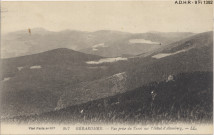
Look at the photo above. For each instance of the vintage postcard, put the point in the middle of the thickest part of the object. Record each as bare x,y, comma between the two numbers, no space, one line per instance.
106,67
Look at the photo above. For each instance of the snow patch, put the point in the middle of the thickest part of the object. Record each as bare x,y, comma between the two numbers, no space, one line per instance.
35,67
20,68
95,47
6,79
98,67
162,55
82,111
170,78
120,76
134,41
106,60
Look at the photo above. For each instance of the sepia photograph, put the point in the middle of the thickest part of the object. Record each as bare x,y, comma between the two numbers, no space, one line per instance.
106,67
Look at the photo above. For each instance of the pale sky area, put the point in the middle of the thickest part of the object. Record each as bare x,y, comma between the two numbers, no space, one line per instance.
135,17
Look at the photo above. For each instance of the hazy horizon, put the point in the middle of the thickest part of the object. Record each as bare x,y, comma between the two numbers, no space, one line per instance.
125,16
37,28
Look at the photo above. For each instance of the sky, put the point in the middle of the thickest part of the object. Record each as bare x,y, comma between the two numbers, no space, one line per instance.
134,17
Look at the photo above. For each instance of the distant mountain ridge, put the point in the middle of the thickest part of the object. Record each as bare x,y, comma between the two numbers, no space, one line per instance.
39,40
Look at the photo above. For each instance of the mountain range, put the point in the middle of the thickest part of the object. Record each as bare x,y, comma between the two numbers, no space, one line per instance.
62,82
104,42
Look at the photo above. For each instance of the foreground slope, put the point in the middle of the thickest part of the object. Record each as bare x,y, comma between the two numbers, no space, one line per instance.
188,98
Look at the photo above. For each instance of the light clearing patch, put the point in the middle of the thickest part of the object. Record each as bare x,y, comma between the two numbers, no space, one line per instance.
20,68
35,67
106,60
95,47
142,41
162,55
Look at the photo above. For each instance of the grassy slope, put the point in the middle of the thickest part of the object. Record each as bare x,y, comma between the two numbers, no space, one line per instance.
38,90
52,80
186,99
